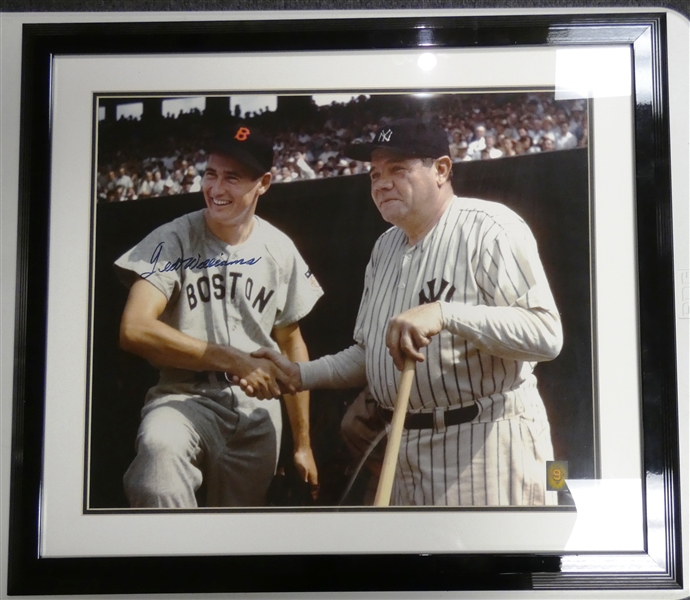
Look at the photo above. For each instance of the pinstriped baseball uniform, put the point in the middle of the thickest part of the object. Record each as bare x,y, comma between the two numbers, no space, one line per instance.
480,256
481,262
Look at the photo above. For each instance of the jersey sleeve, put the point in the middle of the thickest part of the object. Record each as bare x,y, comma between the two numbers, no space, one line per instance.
343,370
155,259
300,291
510,272
520,320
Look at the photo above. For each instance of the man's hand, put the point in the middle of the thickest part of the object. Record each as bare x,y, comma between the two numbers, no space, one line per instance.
412,330
306,469
287,373
261,378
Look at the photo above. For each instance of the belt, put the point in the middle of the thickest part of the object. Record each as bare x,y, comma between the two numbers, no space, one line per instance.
427,420
212,377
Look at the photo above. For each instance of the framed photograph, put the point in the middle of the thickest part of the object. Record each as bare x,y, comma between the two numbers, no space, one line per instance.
564,119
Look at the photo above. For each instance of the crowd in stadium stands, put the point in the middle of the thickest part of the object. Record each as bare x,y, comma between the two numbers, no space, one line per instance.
143,160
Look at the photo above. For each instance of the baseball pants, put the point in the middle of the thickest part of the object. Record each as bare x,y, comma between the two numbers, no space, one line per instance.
210,435
490,461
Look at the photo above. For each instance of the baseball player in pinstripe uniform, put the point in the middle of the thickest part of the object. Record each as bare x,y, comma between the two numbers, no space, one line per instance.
205,290
456,284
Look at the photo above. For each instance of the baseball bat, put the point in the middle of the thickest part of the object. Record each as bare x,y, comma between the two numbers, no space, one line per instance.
383,491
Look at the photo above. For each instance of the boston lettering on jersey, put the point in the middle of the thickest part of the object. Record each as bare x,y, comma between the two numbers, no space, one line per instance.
205,290
192,262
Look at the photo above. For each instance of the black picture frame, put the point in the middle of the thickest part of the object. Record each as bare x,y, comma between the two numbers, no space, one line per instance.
659,567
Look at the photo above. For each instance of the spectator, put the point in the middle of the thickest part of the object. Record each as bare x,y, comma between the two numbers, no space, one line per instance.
536,132
173,185
200,162
508,146
478,143
145,189
124,180
112,181
566,140
288,174
548,127
547,144
195,185
460,152
305,171
528,147
328,152
491,149
158,188
186,186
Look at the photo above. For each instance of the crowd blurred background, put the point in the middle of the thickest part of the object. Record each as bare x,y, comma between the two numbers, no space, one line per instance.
153,154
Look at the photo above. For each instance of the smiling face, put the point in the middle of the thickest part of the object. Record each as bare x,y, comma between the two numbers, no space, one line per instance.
410,193
231,191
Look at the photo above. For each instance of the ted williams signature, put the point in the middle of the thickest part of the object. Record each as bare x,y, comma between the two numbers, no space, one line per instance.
197,262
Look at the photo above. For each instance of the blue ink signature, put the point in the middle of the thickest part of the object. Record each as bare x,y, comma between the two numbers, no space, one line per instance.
183,263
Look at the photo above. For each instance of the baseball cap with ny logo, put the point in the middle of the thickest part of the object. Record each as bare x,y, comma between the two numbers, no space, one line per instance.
409,137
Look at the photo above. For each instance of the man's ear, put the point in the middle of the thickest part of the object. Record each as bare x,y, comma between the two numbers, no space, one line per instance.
444,168
265,183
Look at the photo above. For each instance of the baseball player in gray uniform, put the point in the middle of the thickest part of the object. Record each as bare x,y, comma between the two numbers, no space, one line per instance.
205,291
456,284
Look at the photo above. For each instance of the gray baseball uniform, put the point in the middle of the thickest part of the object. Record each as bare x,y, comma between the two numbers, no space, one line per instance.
480,261
194,423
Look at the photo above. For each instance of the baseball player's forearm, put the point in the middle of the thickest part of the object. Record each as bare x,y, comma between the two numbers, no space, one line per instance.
143,334
291,344
297,406
508,332
165,346
343,370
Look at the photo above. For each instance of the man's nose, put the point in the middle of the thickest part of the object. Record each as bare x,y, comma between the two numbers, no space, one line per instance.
382,182
215,186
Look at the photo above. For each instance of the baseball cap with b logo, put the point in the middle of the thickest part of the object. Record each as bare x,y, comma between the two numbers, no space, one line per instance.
409,137
245,144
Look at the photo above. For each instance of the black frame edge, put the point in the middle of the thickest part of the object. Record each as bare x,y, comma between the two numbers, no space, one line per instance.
29,574
657,311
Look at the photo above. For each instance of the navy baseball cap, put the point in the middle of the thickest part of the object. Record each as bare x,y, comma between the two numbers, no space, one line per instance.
409,137
245,144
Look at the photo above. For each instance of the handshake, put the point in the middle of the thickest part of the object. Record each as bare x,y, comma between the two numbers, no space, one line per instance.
265,373
268,374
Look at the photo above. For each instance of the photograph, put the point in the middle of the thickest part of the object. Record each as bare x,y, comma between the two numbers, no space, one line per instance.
154,168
